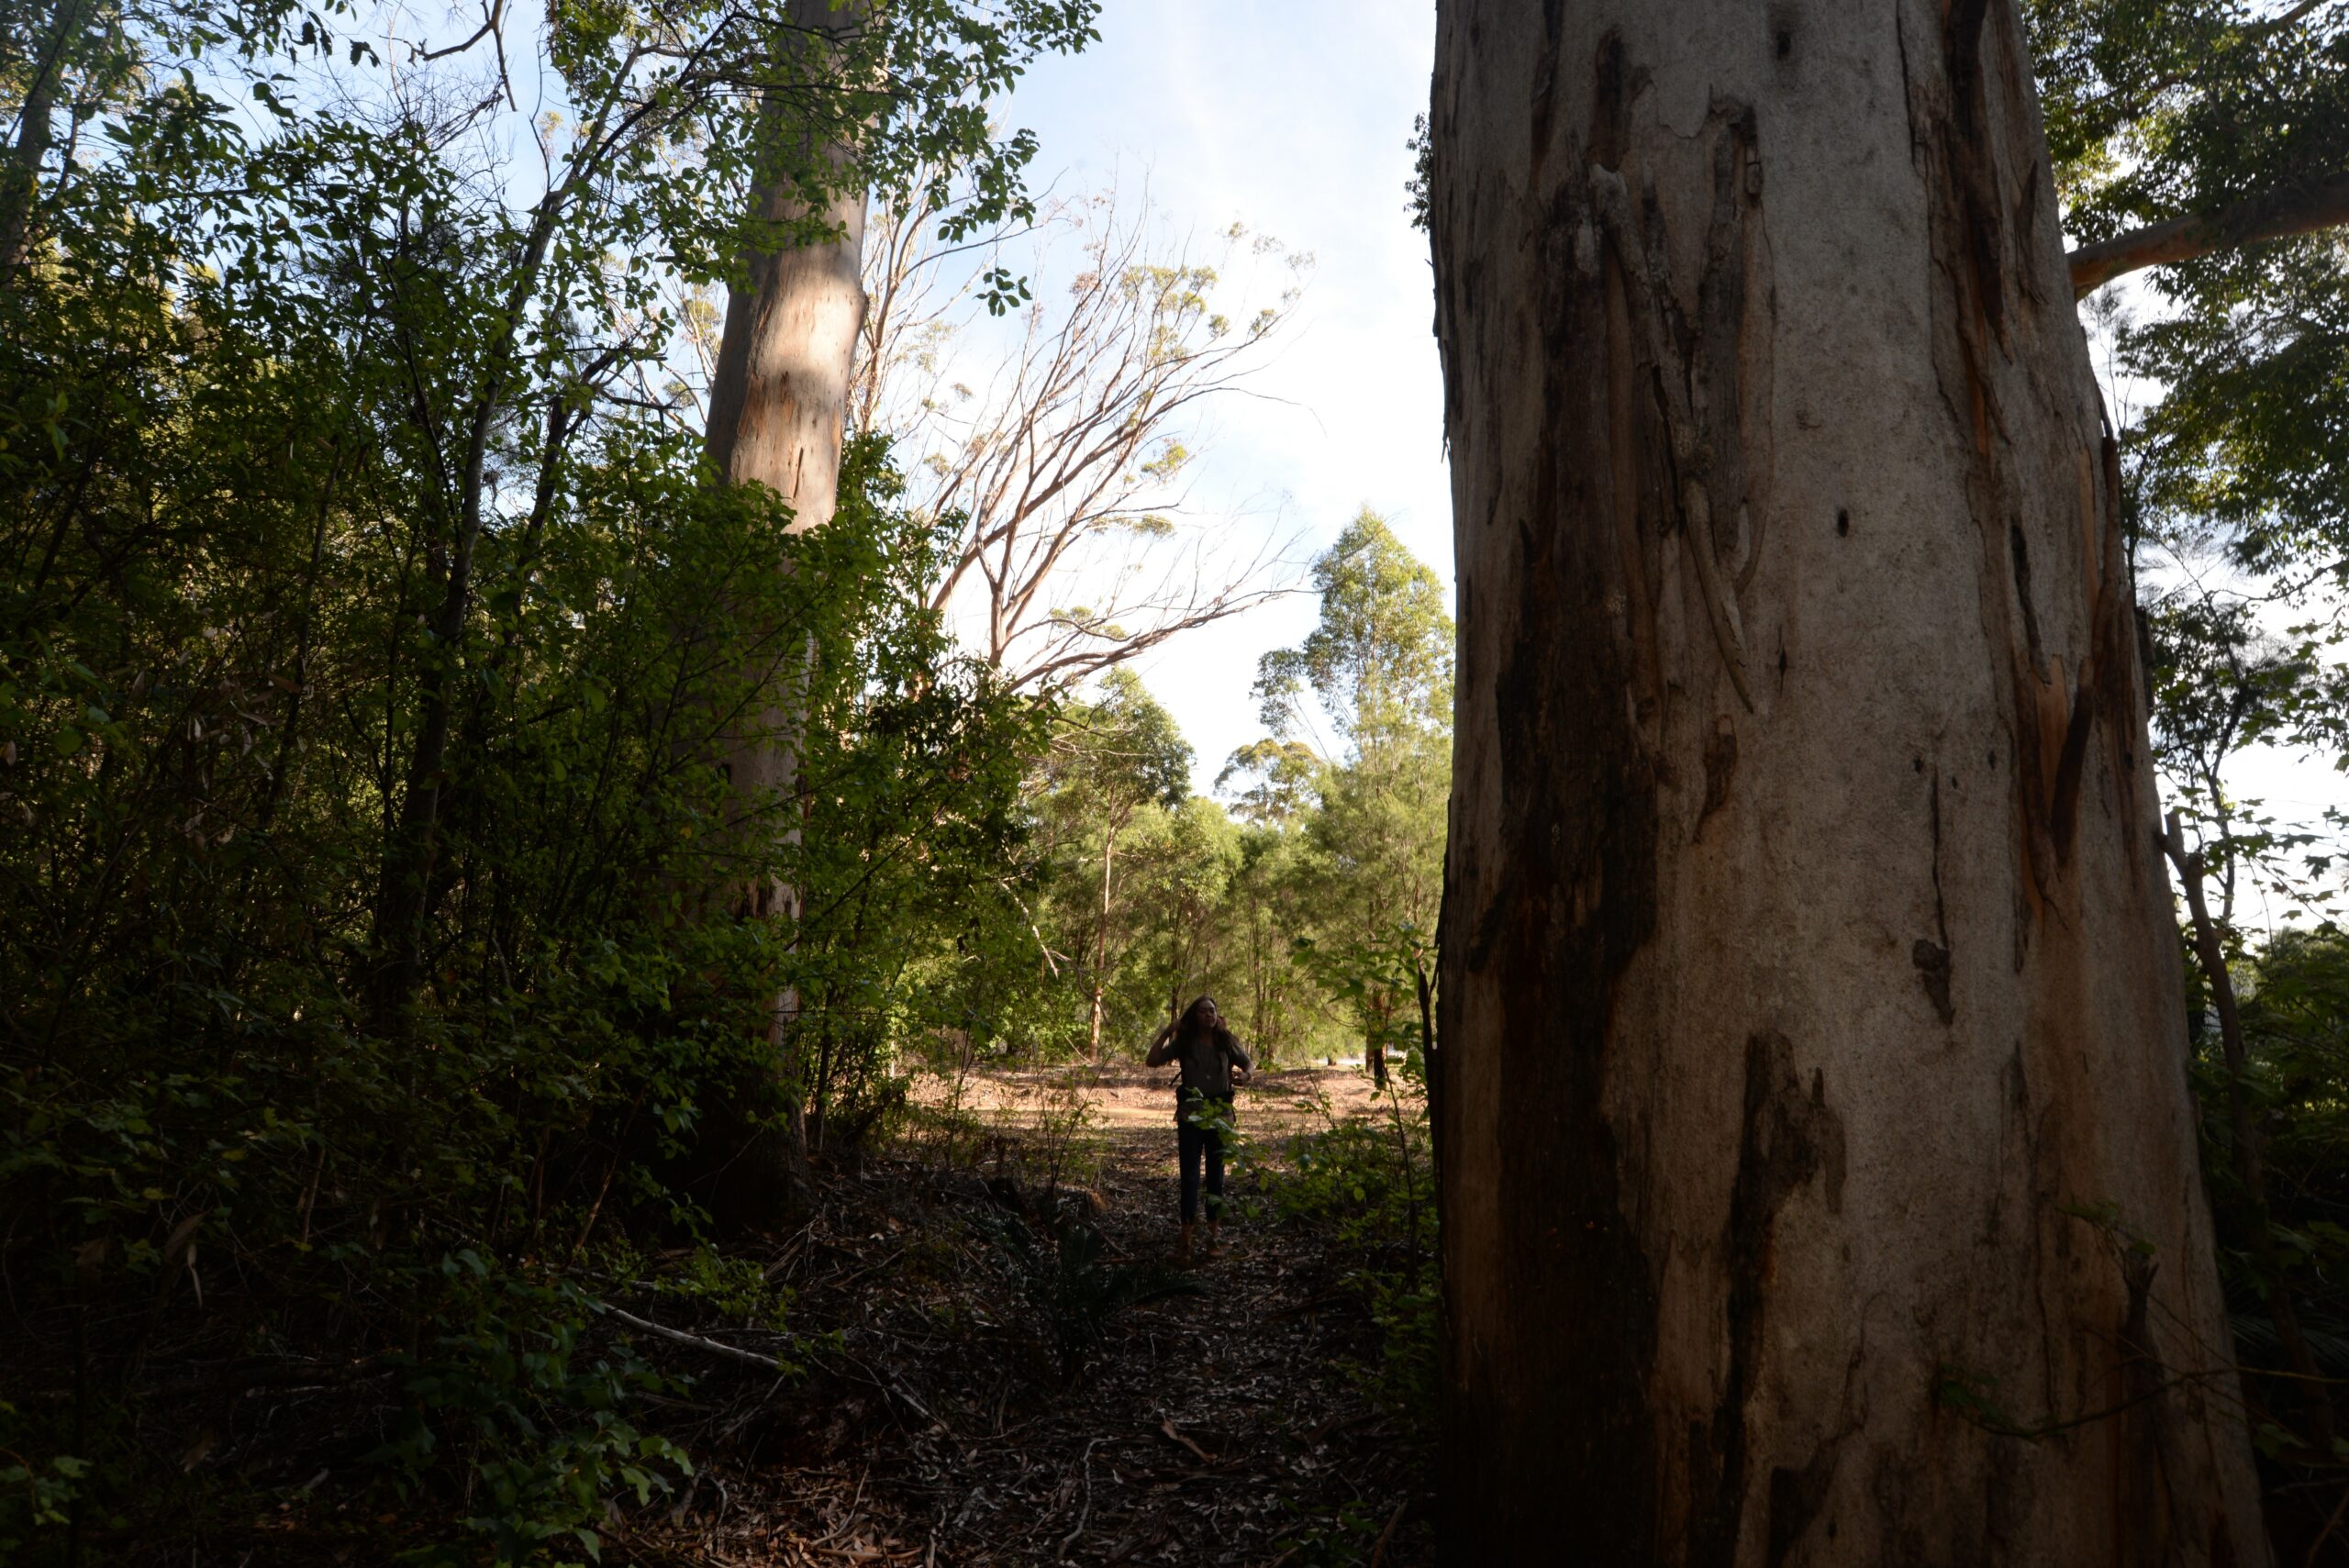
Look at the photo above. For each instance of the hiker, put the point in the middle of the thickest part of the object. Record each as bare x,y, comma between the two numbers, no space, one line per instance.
1212,1064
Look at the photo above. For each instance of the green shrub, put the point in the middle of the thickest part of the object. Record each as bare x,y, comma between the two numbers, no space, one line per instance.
1370,1180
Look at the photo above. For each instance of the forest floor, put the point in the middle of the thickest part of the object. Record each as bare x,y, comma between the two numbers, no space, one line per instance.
974,1394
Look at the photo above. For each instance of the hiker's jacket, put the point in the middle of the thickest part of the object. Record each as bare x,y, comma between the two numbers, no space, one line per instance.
1206,1058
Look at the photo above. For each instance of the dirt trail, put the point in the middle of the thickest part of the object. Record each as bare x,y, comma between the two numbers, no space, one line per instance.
1230,1427
1123,1099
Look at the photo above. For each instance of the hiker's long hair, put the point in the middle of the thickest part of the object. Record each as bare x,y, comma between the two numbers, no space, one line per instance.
1195,1023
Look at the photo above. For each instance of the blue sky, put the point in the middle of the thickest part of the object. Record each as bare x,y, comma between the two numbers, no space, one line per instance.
1289,116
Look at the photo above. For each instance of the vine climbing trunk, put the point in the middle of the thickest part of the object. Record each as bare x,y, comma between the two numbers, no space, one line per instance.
778,403
1819,1175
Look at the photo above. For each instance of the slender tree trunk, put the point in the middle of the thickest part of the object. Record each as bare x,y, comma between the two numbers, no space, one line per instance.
2251,1174
20,171
778,403
408,889
1101,943
1814,1108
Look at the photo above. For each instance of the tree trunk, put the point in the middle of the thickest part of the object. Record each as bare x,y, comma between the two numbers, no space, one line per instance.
1810,994
778,402
1101,945
778,395
2243,1134
20,173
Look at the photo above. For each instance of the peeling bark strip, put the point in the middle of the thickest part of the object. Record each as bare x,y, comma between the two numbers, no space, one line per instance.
1790,1139
1933,958
1713,1221
1697,395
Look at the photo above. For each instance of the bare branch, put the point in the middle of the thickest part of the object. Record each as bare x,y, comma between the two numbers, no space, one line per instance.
1062,461
707,1346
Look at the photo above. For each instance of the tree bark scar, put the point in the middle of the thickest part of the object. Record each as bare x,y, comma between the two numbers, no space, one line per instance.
1696,368
1721,762
2144,1526
1790,1139
2092,512
2057,712
1546,81
1608,93
1555,1417
2064,800
1907,88
1627,447
1967,238
1933,958
1796,1497
1966,152
2019,549
2026,231
2035,779
1932,963
1725,344
1564,931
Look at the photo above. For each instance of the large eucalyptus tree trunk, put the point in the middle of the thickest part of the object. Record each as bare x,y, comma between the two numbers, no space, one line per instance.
778,404
1821,1179
778,399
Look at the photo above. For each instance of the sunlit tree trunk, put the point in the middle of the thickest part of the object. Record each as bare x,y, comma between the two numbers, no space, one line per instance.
1101,943
1820,1181
778,402
44,65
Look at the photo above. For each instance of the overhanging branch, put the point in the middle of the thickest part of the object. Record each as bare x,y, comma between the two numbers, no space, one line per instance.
2275,215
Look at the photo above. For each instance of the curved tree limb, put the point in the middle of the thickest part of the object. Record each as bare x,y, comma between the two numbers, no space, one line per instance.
2273,214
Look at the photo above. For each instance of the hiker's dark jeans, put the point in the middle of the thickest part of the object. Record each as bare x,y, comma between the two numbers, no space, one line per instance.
1197,1144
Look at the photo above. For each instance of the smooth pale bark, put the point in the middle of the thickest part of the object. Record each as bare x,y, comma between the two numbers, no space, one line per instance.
778,400
1814,1037
778,404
